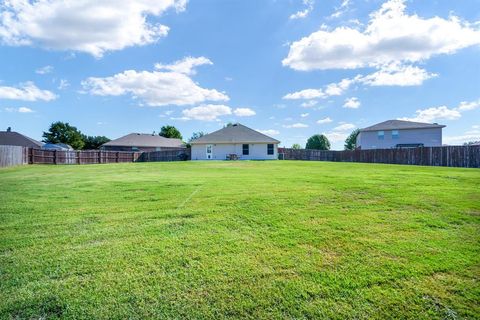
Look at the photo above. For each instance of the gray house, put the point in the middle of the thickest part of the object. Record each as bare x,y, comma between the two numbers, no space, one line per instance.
142,142
235,141
400,134
12,138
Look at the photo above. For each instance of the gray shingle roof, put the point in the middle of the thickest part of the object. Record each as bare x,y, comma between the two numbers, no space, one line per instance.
12,138
401,124
235,133
145,140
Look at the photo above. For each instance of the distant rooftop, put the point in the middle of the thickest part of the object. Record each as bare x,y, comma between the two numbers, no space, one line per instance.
12,138
145,140
401,125
235,133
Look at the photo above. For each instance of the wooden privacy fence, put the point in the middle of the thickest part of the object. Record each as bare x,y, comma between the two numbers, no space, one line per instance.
447,156
37,156
15,155
166,155
12,156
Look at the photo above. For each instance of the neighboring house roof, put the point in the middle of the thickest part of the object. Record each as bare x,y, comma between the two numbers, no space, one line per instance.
235,133
145,140
401,125
11,138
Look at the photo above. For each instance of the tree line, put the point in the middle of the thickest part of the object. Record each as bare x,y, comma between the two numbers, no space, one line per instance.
321,142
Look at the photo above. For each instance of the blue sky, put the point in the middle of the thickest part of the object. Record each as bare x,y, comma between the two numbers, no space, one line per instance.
291,68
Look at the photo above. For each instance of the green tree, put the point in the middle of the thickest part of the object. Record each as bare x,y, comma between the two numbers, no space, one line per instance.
296,146
351,141
94,142
62,132
318,142
196,135
170,132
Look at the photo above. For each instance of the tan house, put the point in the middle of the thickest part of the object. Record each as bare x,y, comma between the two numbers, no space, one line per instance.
235,141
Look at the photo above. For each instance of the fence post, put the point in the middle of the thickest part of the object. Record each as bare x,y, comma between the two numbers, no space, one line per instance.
30,156
116,157
54,156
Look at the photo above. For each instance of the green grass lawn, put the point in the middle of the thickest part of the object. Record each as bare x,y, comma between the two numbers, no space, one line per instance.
278,239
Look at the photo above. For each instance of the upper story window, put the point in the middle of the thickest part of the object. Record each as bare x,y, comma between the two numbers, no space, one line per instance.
395,134
245,149
381,135
270,149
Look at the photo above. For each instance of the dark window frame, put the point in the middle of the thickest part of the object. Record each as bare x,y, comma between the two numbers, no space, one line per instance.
270,149
245,149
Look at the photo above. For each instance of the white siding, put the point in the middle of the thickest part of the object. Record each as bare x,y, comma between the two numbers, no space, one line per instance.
257,151
431,137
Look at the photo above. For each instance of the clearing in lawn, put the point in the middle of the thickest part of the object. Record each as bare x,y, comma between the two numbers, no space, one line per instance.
279,239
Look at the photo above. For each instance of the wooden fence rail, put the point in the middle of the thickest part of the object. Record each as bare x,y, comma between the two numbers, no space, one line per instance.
447,156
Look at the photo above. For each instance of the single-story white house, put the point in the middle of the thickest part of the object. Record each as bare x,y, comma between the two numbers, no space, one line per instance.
235,141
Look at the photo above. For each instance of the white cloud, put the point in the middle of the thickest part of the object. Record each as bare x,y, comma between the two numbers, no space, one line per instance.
443,112
309,104
340,132
305,94
63,84
44,70
324,120
244,112
466,106
156,88
186,65
352,103
212,112
304,115
26,91
207,112
344,127
390,36
435,113
332,89
341,10
337,89
397,75
89,26
269,132
20,110
393,74
303,13
296,125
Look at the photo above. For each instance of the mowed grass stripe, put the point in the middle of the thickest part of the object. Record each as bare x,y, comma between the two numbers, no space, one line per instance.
278,239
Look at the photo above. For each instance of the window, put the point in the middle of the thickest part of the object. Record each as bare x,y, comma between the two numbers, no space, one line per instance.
394,134
381,135
270,149
245,149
